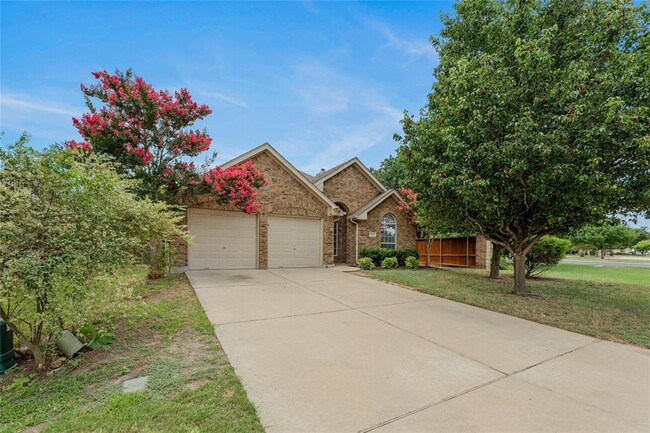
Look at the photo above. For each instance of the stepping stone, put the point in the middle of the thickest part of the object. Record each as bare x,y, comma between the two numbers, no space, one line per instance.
135,385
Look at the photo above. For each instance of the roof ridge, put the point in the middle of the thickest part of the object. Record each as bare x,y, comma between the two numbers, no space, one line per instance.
330,170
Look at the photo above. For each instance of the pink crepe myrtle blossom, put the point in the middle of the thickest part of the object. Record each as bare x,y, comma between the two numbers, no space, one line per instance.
78,145
237,185
408,205
150,134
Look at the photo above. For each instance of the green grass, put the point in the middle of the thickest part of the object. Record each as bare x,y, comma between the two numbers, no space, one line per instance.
607,303
615,259
607,275
162,332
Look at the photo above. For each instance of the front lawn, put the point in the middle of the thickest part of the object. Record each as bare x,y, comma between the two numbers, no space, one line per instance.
607,303
161,332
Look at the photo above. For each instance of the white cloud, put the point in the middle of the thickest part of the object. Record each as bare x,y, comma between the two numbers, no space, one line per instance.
412,47
324,100
347,115
224,98
30,104
45,118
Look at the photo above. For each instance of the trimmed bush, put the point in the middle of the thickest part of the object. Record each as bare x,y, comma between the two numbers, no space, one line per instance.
403,253
389,263
412,262
365,264
546,253
377,255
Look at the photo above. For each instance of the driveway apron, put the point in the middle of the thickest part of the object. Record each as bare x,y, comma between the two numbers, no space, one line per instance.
319,350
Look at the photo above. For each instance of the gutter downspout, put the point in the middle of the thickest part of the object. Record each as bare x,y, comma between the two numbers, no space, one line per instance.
356,240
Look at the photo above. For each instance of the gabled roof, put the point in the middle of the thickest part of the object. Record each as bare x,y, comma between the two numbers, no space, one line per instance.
308,176
362,212
333,209
321,177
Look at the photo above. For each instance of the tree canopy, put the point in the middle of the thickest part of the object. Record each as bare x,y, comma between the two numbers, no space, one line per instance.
67,220
537,121
149,133
603,236
391,172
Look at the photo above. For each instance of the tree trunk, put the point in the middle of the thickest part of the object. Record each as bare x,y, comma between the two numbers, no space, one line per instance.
157,261
495,261
39,356
519,259
602,253
428,244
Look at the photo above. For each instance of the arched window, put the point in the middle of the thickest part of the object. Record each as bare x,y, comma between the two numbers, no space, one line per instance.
388,232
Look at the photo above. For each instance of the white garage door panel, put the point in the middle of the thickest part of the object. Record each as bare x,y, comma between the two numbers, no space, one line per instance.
222,240
294,242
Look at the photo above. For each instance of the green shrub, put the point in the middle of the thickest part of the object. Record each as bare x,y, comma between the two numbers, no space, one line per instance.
403,253
412,262
546,253
643,246
389,263
68,223
366,264
377,255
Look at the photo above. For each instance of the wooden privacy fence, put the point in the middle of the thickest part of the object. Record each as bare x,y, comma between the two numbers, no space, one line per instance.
448,251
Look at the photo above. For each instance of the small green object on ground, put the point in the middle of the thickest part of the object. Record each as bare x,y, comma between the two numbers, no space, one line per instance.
68,344
7,360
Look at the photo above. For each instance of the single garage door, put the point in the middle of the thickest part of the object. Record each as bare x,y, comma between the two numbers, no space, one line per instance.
295,242
222,240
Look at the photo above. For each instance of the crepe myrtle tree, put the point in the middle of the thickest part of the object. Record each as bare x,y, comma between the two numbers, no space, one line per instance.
537,122
149,134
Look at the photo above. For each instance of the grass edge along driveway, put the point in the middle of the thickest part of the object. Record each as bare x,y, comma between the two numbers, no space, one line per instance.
608,303
162,332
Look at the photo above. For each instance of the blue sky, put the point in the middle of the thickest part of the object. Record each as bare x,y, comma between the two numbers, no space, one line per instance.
321,82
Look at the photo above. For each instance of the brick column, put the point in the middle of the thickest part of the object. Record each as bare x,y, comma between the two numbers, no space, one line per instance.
263,241
179,246
328,241
483,252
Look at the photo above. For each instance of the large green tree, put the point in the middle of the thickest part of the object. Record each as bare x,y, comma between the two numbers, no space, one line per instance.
537,121
391,172
604,236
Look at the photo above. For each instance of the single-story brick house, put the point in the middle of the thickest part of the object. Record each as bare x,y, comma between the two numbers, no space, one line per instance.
304,221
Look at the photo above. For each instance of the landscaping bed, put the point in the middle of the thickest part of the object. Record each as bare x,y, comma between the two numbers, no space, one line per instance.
162,333
608,303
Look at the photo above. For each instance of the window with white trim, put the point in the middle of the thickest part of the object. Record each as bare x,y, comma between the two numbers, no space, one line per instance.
388,232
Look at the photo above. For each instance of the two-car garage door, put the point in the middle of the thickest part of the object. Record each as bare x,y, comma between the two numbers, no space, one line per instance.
228,240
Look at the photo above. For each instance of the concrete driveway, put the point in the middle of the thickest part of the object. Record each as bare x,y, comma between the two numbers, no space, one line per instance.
320,350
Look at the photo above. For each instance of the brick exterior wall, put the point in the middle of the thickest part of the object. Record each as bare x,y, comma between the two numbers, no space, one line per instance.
483,252
406,234
350,187
179,248
284,195
287,196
